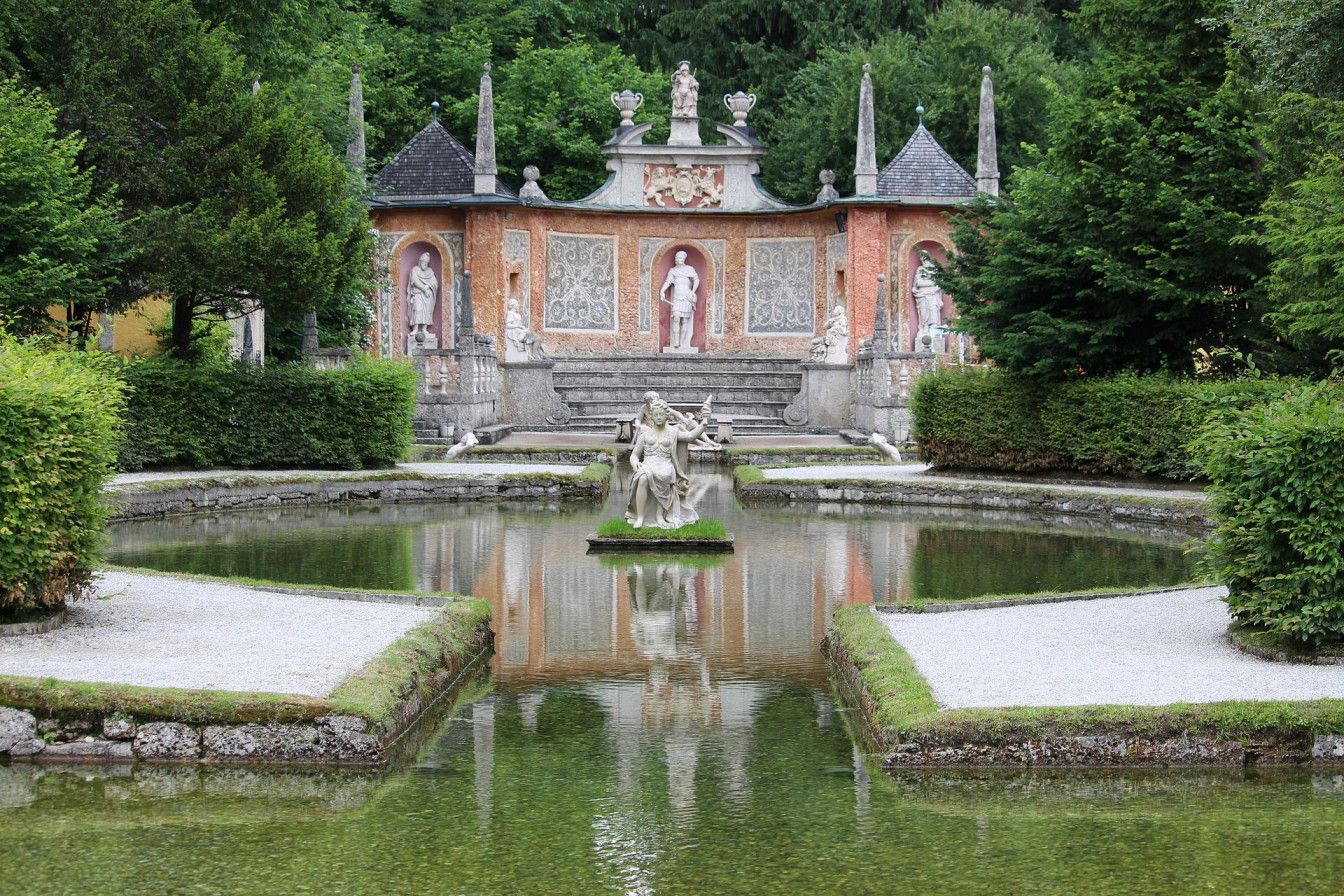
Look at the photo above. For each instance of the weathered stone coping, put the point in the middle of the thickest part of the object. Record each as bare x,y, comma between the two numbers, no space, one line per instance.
1025,599
602,544
36,627
528,454
901,724
251,491
775,457
361,723
1032,498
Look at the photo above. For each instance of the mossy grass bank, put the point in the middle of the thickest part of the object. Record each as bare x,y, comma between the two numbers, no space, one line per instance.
702,535
358,723
901,722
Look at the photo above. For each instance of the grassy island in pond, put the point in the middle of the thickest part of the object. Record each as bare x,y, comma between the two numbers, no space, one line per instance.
702,535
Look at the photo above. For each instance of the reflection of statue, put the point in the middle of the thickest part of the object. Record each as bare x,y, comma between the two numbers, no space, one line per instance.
928,300
659,460
683,281
685,91
520,344
421,295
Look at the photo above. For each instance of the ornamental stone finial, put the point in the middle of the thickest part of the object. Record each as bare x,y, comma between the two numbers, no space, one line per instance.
828,192
865,157
627,102
739,104
531,190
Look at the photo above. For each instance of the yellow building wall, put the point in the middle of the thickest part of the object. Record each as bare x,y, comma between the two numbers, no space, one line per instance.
131,329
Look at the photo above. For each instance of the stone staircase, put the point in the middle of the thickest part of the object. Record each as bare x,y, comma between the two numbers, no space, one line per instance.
602,391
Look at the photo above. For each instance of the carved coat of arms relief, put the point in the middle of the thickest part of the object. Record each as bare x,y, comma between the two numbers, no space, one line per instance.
689,186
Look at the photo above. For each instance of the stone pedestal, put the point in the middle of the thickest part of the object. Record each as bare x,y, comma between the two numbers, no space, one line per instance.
527,394
685,131
430,344
826,399
674,350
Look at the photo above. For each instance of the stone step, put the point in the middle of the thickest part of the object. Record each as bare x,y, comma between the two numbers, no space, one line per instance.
666,381
665,363
626,409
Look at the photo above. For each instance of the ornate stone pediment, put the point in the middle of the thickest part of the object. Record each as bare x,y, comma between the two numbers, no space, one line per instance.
683,186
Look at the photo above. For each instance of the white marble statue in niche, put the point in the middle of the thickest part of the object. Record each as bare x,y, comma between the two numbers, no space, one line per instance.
422,290
929,303
520,343
685,91
660,488
683,281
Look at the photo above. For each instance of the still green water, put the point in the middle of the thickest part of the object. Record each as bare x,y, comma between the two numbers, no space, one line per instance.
660,726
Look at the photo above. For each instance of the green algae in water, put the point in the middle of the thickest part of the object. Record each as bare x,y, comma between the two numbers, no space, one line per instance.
551,790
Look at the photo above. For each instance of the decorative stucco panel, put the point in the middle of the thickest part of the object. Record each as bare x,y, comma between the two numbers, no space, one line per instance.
781,286
580,282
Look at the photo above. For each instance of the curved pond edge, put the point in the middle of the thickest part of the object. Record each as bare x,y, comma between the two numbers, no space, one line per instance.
902,726
1267,646
363,722
1184,513
255,491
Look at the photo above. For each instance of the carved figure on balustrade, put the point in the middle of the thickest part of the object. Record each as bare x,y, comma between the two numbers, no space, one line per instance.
685,91
520,343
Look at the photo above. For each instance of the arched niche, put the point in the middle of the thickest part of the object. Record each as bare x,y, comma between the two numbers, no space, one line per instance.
406,258
662,263
914,257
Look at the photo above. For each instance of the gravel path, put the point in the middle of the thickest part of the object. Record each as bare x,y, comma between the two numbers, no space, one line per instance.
1150,650
447,469
161,631
916,472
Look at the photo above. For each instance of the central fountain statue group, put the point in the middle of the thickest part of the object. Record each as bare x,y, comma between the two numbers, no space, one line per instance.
661,487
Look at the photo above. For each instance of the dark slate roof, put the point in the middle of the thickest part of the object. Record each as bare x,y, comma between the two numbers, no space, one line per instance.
924,170
432,166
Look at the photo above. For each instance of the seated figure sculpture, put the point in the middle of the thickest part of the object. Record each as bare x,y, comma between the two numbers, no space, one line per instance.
520,343
659,459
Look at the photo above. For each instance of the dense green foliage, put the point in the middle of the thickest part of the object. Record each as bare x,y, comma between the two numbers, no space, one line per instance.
59,429
272,417
1123,247
1277,486
1122,425
230,195
55,231
816,120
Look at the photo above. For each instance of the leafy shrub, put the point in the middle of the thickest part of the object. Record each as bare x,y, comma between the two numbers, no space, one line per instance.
59,430
1277,489
239,415
1123,425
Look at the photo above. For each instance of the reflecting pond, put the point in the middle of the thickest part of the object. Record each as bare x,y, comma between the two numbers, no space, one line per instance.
660,726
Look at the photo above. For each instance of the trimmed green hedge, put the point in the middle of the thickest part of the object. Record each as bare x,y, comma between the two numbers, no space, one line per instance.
59,430
1121,425
1277,488
201,416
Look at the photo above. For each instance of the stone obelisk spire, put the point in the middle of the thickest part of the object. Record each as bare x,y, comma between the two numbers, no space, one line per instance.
865,159
987,158
354,150
485,135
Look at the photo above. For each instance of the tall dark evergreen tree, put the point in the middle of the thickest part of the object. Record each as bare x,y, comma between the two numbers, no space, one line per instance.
1123,247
